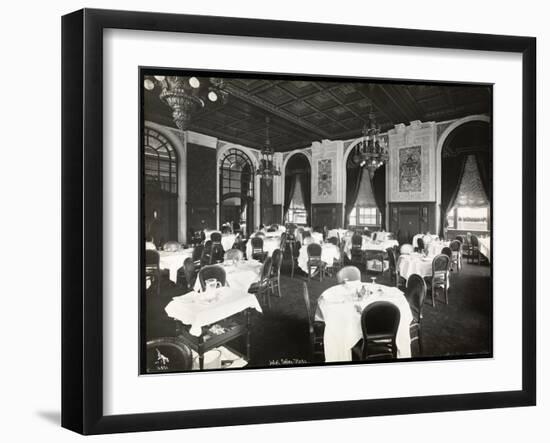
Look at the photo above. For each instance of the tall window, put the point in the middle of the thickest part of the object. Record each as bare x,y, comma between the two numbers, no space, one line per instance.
470,211
365,211
161,165
236,174
297,212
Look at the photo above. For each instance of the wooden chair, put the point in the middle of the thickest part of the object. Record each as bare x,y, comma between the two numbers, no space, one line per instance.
212,271
262,288
276,262
456,255
420,243
168,354
379,323
357,255
315,328
448,252
206,256
216,238
197,254
394,271
152,268
473,250
349,273
186,274
257,244
416,295
218,253
440,276
314,251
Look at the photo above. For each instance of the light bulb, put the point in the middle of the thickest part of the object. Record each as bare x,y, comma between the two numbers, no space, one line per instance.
159,77
148,84
194,82
212,96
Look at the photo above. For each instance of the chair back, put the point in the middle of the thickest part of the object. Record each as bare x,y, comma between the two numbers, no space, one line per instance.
257,244
420,243
333,240
206,256
461,239
306,234
152,259
259,234
197,253
440,268
374,235
307,302
406,249
282,243
455,245
447,251
216,238
217,253
234,254
189,271
212,271
474,241
350,273
276,261
356,241
380,319
416,293
266,270
314,251
392,259
168,354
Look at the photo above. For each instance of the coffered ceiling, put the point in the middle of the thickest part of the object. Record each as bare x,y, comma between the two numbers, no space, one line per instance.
305,111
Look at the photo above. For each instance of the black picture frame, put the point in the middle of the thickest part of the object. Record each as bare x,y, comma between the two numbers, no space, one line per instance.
82,220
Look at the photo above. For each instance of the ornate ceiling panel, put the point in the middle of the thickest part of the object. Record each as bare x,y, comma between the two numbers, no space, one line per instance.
305,111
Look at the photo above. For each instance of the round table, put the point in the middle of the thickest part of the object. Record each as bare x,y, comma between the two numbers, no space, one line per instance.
415,263
329,253
342,316
368,244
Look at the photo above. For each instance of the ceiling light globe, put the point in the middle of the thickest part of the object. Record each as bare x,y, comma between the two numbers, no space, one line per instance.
212,96
194,82
148,84
159,77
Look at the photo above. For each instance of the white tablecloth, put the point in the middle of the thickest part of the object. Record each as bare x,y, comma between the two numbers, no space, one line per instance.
339,233
368,244
276,233
190,310
317,237
239,276
270,244
174,260
428,238
329,253
485,247
414,264
227,241
435,247
342,318
299,235
382,235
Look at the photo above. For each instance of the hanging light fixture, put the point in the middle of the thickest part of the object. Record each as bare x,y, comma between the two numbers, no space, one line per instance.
372,151
267,169
186,95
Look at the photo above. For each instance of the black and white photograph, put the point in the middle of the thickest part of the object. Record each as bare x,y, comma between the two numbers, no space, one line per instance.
290,220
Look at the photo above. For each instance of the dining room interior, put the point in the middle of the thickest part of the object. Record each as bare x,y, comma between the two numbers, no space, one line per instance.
291,221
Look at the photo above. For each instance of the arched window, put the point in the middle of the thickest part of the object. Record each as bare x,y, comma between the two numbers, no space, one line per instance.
161,164
236,191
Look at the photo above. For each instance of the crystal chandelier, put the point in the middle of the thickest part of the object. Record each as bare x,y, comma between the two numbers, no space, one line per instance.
372,150
186,95
267,169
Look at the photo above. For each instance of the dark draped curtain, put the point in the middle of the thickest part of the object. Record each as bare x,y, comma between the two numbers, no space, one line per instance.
246,176
305,182
451,176
379,191
484,167
290,185
353,177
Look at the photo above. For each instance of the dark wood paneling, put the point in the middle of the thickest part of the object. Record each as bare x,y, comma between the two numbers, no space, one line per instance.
201,186
278,214
410,218
327,214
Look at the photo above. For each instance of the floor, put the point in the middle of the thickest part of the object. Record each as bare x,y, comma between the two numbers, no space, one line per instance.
280,335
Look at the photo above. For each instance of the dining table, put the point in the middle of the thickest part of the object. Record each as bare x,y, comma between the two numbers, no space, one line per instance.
369,244
415,263
427,238
340,308
174,260
201,315
329,253
270,244
240,274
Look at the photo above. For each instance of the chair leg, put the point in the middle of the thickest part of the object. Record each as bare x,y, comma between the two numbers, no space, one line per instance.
446,289
433,296
420,338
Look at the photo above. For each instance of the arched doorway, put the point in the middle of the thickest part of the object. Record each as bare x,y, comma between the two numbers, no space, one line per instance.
161,187
466,180
297,203
237,190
